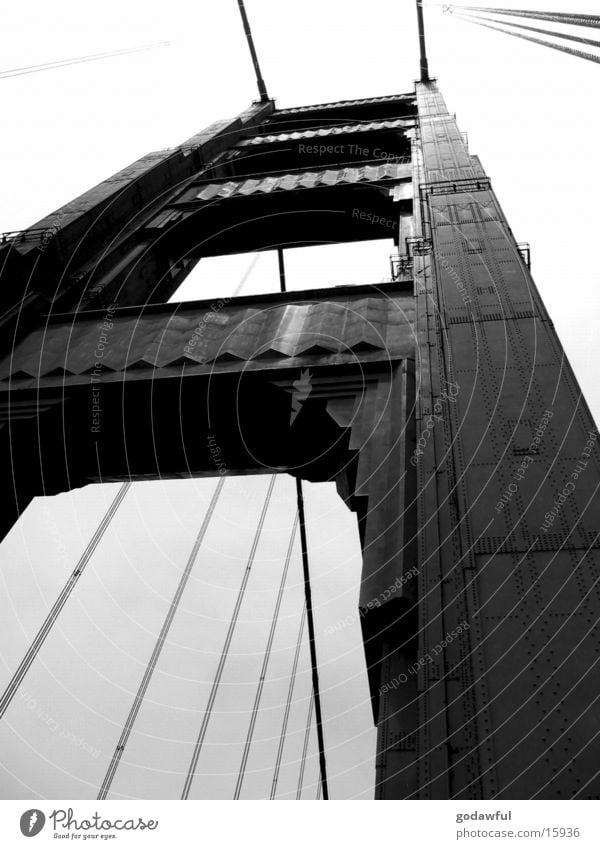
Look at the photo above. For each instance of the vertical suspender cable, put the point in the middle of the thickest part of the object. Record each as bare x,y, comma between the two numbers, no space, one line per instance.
305,747
311,639
238,289
139,698
262,89
280,262
422,43
223,658
60,602
263,671
288,705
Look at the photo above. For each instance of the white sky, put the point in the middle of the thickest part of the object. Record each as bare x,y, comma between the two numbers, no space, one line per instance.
84,681
530,114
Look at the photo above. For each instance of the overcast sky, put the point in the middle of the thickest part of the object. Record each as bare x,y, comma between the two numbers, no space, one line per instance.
530,114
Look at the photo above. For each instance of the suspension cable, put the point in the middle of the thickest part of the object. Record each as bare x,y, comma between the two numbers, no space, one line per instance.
60,602
308,610
281,264
225,651
288,705
311,638
422,43
238,289
565,35
143,687
260,83
311,703
555,17
563,48
263,671
78,60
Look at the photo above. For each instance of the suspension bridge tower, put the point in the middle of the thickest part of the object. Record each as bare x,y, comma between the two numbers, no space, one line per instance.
441,403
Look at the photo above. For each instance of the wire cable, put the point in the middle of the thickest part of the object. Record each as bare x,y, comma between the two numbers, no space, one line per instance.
557,17
238,289
281,264
590,57
60,602
78,60
305,747
263,671
311,638
288,705
565,35
225,651
424,64
143,687
260,83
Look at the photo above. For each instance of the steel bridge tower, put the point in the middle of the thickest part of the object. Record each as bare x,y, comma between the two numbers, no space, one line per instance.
441,403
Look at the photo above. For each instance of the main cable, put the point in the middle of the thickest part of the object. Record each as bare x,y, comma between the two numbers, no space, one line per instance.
60,602
225,651
144,683
580,54
564,35
263,671
556,17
